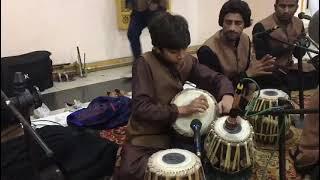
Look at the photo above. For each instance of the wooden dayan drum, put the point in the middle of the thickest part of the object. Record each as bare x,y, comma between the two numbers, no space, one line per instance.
229,152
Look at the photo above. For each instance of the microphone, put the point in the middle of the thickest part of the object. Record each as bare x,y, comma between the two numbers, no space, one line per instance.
266,32
231,125
195,125
302,15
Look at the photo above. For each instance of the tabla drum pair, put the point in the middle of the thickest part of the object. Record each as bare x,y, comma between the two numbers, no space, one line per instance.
266,126
230,152
174,164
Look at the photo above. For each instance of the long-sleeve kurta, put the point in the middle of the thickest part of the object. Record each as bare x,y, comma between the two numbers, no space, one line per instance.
145,105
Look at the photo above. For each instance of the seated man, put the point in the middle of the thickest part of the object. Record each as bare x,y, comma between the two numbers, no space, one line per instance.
229,50
290,30
157,77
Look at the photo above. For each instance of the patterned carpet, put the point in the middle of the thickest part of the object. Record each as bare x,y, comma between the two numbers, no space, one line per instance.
261,156
307,96
117,135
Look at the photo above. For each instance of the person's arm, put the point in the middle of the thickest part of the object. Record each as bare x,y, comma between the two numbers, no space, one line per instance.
215,82
145,104
207,57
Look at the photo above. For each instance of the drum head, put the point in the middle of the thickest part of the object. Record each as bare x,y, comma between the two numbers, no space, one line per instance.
182,124
173,162
272,94
243,135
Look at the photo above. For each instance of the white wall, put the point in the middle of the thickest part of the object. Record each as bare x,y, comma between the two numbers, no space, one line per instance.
60,25
313,6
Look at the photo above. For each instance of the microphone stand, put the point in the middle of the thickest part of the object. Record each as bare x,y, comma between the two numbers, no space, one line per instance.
30,134
312,42
281,111
300,70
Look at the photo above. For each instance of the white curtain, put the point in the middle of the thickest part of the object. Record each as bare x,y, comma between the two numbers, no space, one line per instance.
313,6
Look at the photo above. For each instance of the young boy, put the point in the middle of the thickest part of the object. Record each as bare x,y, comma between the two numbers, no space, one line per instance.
157,77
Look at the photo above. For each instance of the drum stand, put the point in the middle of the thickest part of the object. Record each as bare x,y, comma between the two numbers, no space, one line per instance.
300,69
281,111
25,100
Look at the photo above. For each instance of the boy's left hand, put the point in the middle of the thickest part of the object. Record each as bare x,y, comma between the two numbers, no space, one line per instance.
225,104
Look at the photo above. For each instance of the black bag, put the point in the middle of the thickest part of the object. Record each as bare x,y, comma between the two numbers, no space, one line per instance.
37,65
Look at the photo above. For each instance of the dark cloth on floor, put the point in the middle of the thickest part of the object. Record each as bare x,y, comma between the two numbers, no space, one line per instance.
82,155
103,112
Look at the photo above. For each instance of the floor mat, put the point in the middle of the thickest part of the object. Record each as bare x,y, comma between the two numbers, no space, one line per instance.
117,135
263,156
307,96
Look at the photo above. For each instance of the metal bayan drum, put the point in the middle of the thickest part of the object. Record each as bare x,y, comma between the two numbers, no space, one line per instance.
266,126
174,164
182,124
229,152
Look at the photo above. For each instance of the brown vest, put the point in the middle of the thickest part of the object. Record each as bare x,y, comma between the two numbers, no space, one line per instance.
232,61
166,86
289,34
142,5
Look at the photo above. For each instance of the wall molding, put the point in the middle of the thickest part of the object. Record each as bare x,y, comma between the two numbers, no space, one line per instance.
104,64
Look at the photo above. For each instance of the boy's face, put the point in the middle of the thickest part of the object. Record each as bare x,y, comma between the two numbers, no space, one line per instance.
233,25
285,9
172,55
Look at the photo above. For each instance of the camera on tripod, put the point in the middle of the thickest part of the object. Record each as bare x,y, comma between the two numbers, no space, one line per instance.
26,100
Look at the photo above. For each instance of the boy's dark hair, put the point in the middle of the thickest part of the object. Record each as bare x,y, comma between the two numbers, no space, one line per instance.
236,6
169,31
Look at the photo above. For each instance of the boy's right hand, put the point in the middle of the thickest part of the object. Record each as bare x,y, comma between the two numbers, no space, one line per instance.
198,105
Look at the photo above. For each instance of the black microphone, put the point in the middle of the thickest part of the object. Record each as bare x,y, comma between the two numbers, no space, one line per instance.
195,125
266,32
302,15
